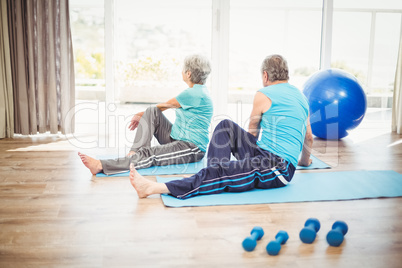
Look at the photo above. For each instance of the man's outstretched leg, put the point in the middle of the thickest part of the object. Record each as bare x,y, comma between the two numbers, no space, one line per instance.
94,165
145,187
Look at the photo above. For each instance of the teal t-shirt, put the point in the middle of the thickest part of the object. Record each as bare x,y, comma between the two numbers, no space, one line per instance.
194,116
283,126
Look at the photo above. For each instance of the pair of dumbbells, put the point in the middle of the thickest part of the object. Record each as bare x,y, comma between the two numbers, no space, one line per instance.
272,248
334,237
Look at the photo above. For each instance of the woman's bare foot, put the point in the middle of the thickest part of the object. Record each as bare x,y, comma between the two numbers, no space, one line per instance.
94,165
145,187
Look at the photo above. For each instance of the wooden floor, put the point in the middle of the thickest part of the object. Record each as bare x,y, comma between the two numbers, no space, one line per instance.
53,213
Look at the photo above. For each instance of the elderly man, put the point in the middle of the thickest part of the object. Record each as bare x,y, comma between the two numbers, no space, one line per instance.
185,141
280,113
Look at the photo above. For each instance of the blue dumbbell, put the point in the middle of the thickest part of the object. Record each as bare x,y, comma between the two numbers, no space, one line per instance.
336,235
274,246
250,242
309,232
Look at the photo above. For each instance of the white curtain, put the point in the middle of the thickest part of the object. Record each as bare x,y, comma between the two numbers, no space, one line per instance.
6,87
397,102
42,65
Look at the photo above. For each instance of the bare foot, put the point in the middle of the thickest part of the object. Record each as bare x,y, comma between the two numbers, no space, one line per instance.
130,153
145,187
94,165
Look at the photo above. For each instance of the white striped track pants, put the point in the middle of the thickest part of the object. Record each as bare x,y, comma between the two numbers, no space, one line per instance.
154,124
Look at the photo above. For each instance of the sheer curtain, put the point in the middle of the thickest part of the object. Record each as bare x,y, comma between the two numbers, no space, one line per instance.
42,66
397,104
6,88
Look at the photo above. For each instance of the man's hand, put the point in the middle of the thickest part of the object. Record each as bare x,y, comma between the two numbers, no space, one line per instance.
305,164
135,121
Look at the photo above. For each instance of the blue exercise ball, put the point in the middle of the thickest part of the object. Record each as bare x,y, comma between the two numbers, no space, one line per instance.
337,103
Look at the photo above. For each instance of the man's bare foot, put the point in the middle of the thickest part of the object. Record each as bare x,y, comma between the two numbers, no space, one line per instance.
94,165
130,153
145,187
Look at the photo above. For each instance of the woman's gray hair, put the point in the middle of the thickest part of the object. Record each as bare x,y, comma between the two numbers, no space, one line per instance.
276,68
199,66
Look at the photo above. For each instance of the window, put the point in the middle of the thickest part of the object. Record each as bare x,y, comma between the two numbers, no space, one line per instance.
151,39
365,42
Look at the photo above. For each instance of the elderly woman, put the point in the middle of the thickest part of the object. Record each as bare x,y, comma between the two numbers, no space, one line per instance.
184,141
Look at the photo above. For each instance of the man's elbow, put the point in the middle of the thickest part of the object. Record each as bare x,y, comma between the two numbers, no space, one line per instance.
253,132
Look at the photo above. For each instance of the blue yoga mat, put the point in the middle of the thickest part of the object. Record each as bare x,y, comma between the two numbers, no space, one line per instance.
323,186
192,168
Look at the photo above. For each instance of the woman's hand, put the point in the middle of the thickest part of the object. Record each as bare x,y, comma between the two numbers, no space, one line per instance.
305,164
135,121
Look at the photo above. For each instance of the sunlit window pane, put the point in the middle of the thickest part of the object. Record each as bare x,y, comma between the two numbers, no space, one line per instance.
88,31
351,43
151,40
303,44
386,43
261,28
